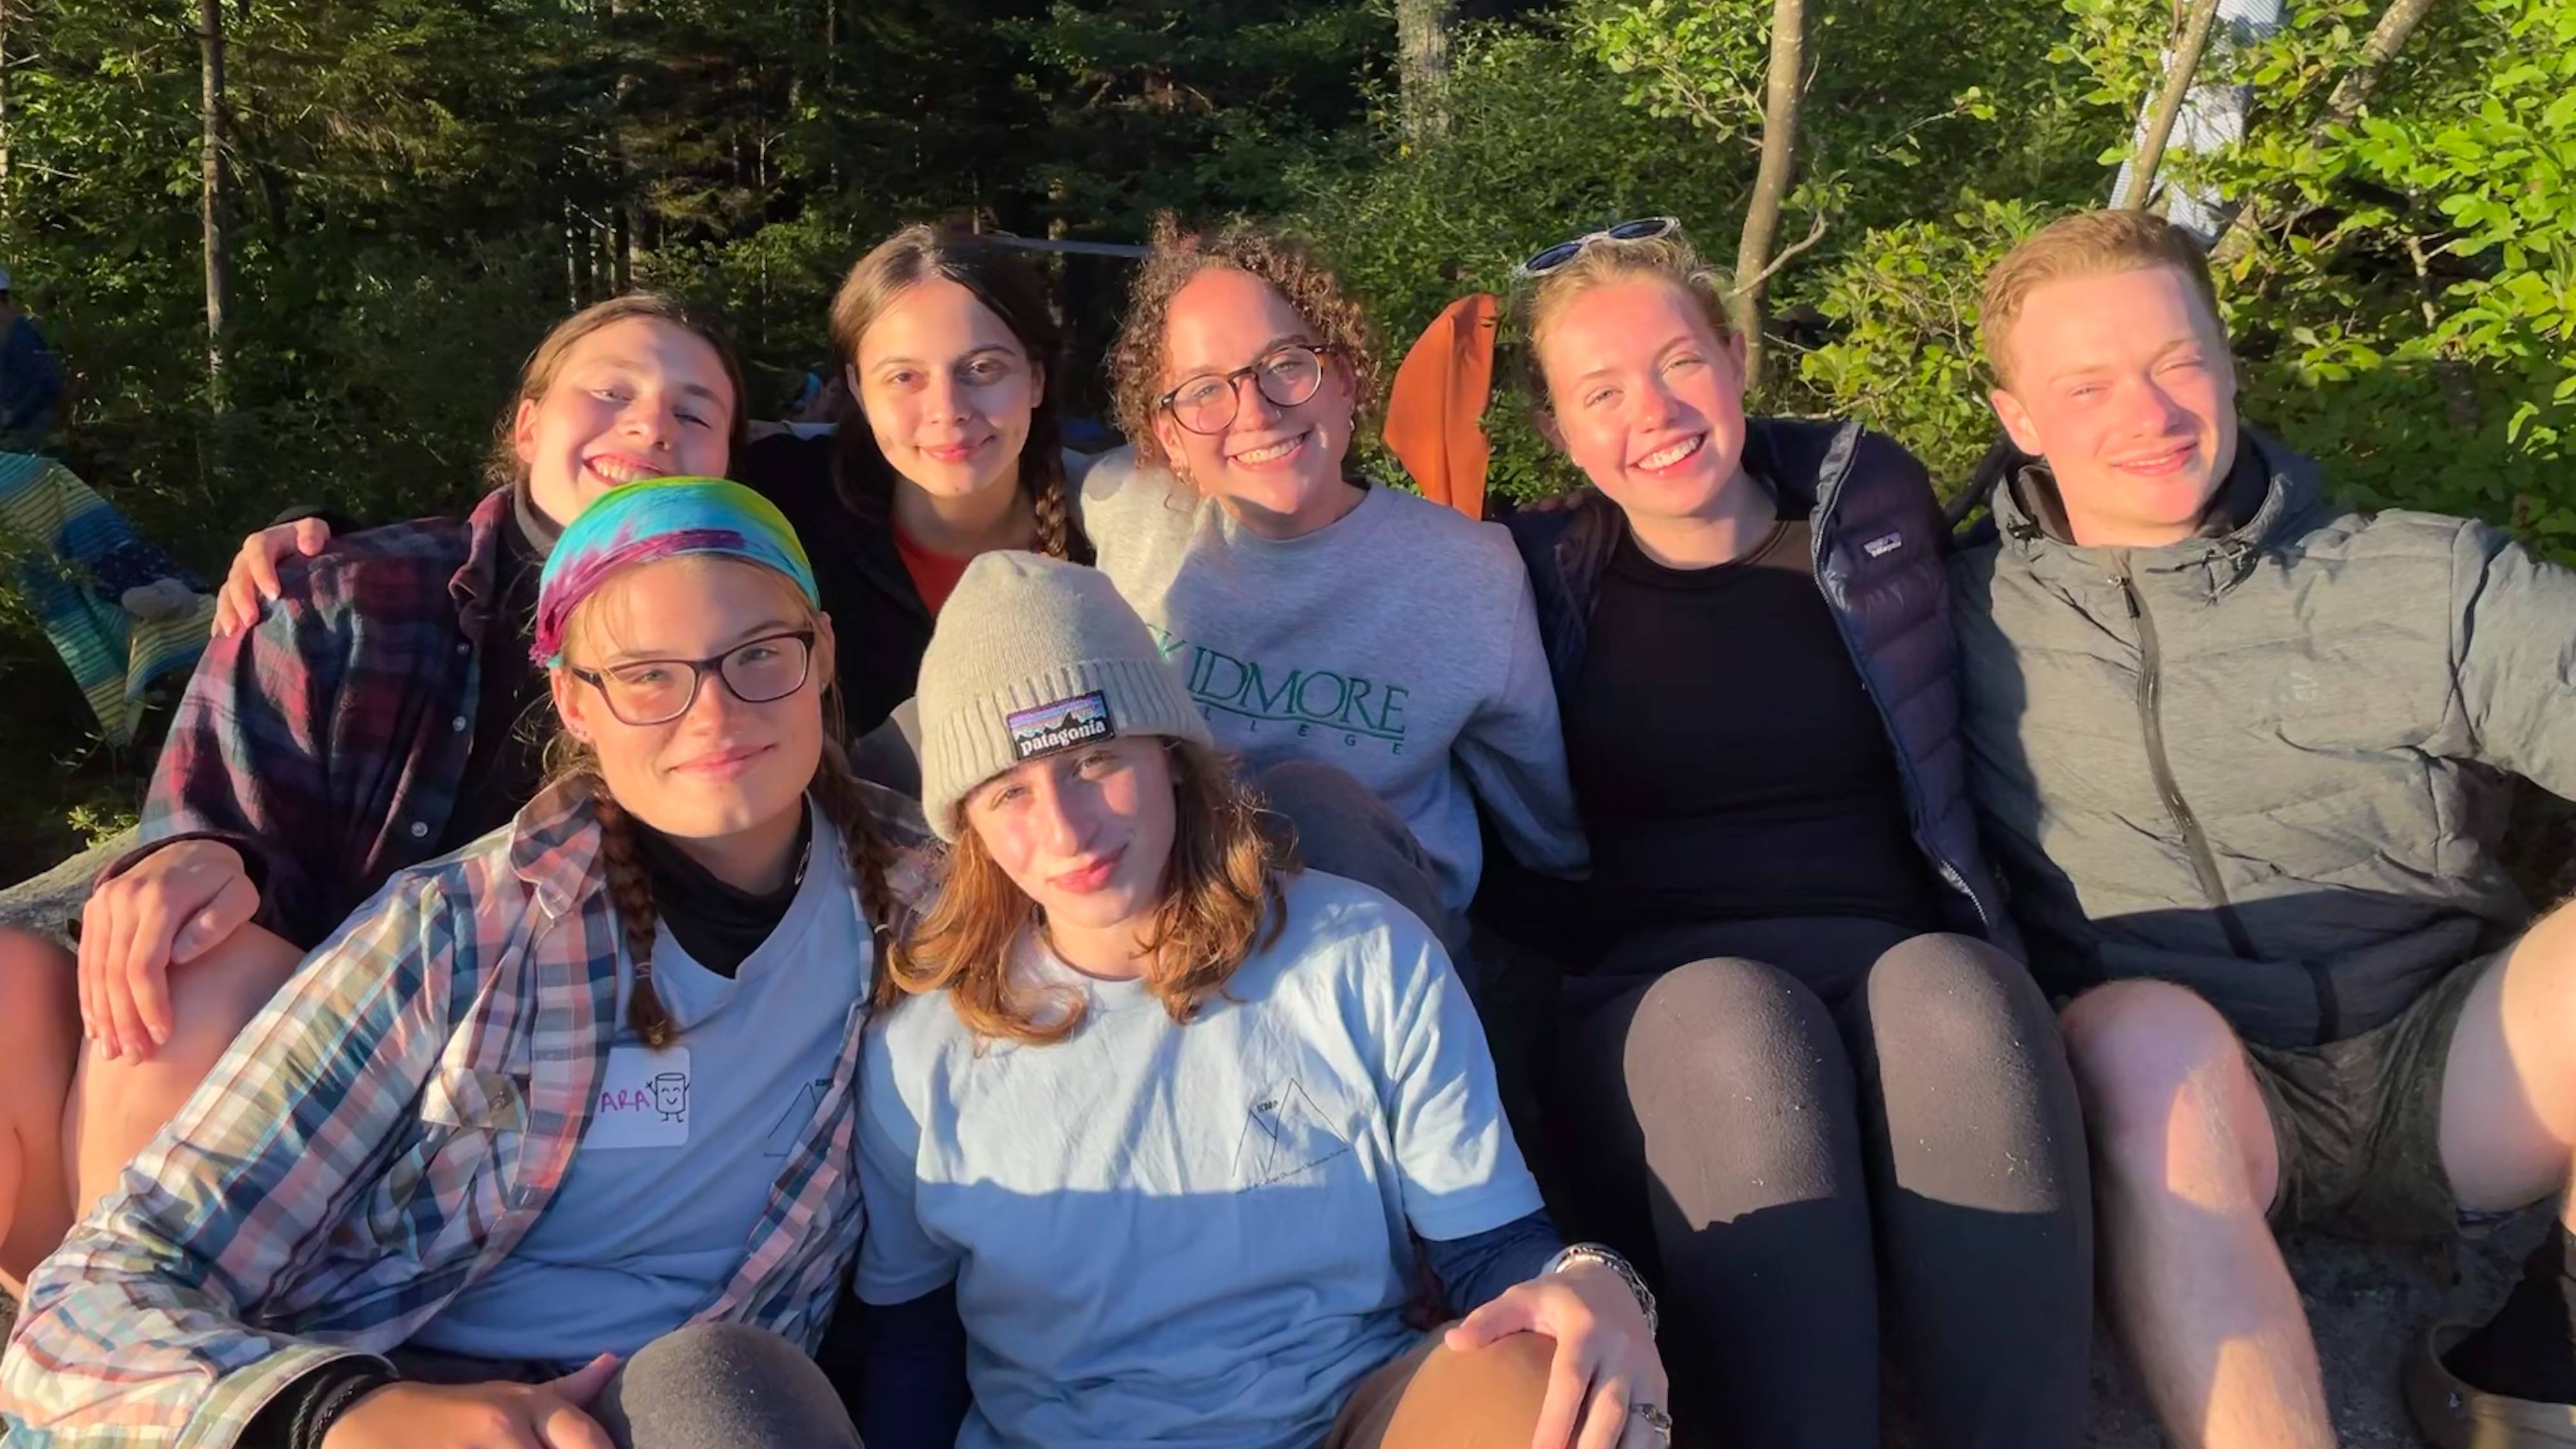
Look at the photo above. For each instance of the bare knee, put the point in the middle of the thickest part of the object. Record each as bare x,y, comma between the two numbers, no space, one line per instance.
39,983
123,1104
2169,1095
39,1041
1485,1395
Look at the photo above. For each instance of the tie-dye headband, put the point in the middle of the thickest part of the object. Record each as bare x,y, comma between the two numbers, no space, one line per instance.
664,518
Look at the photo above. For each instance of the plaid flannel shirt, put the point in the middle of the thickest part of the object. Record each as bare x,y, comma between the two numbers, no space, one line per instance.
325,744
383,1133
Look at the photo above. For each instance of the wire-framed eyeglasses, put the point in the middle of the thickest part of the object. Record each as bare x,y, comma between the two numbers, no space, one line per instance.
658,691
1645,228
1286,375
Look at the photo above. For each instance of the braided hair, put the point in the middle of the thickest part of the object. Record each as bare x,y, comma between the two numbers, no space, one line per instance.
836,793
1016,293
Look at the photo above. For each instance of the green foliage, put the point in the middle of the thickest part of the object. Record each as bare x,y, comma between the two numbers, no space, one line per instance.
97,824
1903,314
421,187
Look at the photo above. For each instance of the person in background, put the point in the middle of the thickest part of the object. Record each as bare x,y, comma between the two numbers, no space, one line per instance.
2244,756
31,382
1170,1130
1797,1065
549,1144
2212,118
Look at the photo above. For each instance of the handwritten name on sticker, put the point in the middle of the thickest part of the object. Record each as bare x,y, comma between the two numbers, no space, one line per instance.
643,1100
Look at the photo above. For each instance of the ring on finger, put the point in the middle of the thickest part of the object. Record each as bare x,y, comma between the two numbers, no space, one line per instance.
1656,1420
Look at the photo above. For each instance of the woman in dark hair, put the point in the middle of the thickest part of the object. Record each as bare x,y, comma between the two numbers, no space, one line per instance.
950,445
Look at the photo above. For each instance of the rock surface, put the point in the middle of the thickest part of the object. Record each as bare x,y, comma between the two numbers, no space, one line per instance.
45,902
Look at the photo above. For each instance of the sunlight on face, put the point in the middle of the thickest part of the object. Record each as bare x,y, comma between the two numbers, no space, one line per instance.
725,769
1645,397
639,398
2122,382
1278,469
947,389
1086,834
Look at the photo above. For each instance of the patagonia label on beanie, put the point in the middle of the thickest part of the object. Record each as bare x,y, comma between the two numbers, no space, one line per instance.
1048,728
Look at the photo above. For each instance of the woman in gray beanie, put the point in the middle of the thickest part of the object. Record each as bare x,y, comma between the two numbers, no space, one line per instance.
1163,1133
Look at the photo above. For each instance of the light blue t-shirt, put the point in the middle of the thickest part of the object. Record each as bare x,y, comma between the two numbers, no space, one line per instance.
681,1152
1166,1234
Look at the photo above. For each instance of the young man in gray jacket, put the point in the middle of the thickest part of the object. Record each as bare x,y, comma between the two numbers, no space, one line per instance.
2243,756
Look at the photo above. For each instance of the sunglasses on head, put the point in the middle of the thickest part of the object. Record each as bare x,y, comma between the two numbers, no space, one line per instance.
1643,229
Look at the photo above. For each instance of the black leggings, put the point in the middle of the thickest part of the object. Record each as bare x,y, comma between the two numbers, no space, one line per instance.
1754,1130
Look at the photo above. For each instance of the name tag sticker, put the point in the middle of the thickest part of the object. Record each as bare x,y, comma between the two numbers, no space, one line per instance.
643,1100
1058,726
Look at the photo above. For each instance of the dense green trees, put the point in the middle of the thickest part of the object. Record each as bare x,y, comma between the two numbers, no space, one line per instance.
417,186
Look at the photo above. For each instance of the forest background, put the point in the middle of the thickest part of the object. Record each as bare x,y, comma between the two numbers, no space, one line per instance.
407,192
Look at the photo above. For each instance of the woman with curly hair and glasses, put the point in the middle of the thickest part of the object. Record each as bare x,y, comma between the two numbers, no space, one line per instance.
1320,618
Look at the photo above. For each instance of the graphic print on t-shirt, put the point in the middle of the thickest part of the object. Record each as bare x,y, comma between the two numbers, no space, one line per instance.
1286,1135
790,1125
1313,701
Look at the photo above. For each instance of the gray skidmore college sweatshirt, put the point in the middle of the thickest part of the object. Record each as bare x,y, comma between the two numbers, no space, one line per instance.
1398,642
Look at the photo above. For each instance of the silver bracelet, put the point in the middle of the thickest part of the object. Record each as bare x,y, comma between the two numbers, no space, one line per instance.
1574,1253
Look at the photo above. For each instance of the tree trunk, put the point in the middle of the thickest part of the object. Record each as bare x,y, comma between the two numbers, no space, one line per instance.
6,212
219,263
2178,74
2350,94
1422,67
1753,260
635,224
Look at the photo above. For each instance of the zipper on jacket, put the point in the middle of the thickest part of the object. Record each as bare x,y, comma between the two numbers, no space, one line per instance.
2151,721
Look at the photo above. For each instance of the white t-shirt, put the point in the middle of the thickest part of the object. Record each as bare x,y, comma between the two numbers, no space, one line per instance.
1166,1234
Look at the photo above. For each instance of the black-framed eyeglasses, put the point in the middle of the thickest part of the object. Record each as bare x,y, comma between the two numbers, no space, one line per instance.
1645,228
658,691
1286,375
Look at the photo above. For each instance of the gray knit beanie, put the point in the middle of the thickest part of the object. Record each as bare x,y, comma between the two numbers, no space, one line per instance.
1033,655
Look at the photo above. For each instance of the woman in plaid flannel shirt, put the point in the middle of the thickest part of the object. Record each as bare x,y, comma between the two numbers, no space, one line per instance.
370,721
463,1093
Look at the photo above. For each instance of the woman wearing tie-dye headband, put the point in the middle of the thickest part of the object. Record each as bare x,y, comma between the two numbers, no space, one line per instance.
378,715
554,1134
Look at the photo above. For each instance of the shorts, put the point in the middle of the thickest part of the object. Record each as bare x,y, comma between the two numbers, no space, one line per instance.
2358,1122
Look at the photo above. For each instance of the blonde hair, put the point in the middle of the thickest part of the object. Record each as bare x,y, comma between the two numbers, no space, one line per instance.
502,466
1173,258
837,794
1221,885
2087,244
1014,292
1541,300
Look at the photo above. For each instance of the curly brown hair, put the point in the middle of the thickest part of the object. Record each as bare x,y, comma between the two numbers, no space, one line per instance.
1173,257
